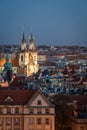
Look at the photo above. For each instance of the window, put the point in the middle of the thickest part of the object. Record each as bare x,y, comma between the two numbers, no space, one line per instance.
47,111
16,121
39,111
31,121
31,111
47,120
39,102
39,121
8,99
16,110
21,57
8,121
1,111
8,110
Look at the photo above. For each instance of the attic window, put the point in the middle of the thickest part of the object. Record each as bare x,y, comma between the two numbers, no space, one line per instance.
39,102
8,99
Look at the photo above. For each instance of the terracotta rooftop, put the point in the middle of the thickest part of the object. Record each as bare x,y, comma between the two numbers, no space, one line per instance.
18,96
18,82
2,62
14,62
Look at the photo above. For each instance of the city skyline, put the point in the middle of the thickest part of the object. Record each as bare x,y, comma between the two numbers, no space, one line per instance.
51,22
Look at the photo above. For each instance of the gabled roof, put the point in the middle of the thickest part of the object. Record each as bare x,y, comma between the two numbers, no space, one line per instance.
35,95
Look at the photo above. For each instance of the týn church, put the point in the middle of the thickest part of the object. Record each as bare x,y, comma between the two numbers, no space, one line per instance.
25,61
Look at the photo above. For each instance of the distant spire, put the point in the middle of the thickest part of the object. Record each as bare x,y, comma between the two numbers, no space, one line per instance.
23,39
31,42
23,45
31,38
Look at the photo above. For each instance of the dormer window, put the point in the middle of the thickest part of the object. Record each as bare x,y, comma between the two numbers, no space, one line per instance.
39,102
8,99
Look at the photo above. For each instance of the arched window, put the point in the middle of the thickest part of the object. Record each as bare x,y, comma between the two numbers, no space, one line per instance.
21,57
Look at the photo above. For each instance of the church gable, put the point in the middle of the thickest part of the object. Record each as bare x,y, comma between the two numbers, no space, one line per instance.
39,99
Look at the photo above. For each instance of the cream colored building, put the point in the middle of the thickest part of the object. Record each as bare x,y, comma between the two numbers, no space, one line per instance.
25,110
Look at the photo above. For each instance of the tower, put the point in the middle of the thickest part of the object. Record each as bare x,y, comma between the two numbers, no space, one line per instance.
28,57
23,45
7,72
31,43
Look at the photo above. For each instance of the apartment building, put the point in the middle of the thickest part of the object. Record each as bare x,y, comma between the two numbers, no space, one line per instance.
25,110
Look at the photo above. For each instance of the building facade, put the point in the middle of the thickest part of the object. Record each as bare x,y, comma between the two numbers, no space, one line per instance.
25,110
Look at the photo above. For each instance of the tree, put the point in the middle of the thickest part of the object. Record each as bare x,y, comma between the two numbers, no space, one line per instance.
63,111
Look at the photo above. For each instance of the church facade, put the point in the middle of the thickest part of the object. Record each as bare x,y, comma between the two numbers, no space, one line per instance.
25,61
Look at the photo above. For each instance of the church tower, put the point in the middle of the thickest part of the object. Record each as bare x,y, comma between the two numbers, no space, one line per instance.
23,54
28,57
23,45
31,43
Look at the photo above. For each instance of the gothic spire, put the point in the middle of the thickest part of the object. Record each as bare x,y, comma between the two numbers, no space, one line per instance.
23,45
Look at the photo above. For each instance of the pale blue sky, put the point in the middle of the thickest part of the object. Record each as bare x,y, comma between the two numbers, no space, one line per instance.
59,22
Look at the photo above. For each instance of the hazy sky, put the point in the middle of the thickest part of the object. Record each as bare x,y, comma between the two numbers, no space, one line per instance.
59,22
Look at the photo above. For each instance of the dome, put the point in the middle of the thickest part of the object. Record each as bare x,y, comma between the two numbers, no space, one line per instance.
7,65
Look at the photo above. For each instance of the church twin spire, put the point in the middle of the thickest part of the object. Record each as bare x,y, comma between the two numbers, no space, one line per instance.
31,43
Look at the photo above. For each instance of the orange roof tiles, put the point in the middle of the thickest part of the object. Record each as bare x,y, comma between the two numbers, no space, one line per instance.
14,62
2,62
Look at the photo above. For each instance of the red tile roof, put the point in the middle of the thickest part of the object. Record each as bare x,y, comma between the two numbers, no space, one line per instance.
2,62
18,82
14,62
18,96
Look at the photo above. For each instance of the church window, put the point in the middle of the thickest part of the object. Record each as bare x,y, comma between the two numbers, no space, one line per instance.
21,57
